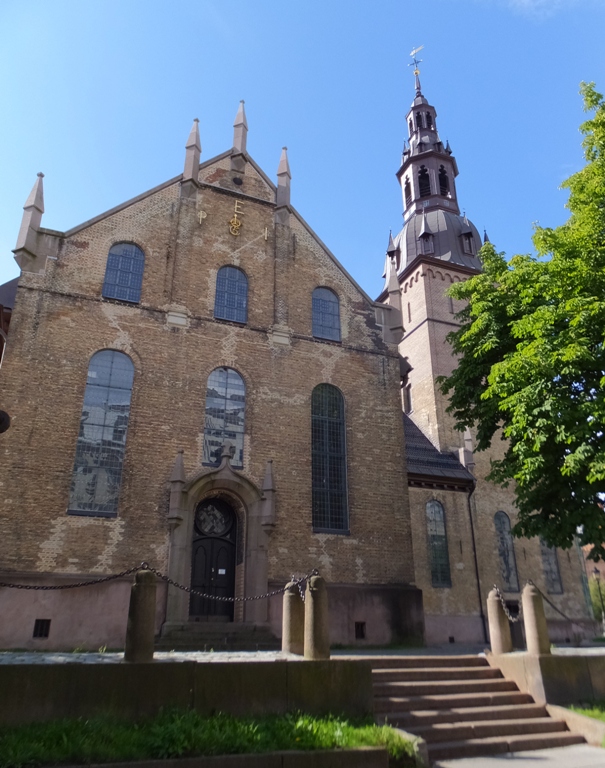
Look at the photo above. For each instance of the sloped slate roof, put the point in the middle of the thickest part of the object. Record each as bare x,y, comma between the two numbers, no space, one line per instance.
424,460
8,291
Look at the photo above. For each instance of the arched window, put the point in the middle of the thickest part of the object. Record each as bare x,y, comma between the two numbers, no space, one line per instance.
97,473
224,418
407,188
550,564
231,299
326,314
440,559
429,120
124,273
444,182
418,120
329,460
506,551
424,183
411,126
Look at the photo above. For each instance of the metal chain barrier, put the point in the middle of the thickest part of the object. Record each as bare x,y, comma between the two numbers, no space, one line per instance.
90,583
552,605
507,613
146,567
515,619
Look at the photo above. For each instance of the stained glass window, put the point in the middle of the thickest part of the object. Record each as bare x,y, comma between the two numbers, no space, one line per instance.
97,473
124,273
506,551
224,419
329,460
550,564
439,555
326,314
231,300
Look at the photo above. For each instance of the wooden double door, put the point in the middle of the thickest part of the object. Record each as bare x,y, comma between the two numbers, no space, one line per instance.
213,559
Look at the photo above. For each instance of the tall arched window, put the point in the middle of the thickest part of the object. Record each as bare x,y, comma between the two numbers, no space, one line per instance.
408,192
429,120
550,564
444,182
439,555
97,473
506,551
418,120
326,314
224,418
124,273
329,460
424,182
231,299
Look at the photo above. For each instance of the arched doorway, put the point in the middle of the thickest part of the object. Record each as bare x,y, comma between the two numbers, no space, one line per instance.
213,556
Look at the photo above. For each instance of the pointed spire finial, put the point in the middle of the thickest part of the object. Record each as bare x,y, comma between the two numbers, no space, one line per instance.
268,483
415,62
240,132
27,240
36,196
193,150
283,179
178,470
485,237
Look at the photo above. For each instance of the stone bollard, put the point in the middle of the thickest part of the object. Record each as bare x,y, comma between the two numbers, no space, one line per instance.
293,624
317,631
499,627
140,629
536,631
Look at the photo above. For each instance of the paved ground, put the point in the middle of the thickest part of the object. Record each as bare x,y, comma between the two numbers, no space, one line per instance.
577,756
40,657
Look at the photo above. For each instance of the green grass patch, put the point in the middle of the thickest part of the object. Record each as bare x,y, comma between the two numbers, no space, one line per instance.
179,733
594,709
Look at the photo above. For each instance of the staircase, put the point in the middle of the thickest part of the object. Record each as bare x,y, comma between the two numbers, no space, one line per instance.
217,636
461,707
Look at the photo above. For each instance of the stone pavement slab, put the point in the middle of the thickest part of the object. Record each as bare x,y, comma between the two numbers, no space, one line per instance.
577,756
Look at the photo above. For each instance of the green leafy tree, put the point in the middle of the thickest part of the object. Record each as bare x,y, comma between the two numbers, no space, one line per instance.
531,365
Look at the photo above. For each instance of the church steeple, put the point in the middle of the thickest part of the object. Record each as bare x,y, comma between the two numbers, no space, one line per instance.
433,226
428,169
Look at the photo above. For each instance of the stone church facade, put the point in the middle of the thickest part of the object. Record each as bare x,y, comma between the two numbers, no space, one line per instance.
195,381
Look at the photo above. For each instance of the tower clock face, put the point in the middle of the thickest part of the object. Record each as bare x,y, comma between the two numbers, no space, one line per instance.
211,520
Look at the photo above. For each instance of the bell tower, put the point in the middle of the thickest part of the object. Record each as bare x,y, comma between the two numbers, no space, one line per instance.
436,247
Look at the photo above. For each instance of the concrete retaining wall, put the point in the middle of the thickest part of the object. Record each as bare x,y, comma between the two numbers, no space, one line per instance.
41,692
554,679
362,757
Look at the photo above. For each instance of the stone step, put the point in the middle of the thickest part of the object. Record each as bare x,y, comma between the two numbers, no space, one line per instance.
438,673
218,636
442,687
420,718
501,744
398,704
215,628
441,732
218,645
417,662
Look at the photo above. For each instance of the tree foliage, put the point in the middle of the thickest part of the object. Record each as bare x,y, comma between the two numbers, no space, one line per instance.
532,360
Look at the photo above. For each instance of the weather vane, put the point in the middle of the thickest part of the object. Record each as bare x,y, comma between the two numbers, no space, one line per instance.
415,62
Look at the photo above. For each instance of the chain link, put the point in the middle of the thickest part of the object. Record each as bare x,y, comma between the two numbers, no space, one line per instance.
144,566
515,619
89,583
507,613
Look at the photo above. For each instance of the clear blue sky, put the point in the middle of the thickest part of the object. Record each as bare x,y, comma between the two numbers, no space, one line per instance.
100,96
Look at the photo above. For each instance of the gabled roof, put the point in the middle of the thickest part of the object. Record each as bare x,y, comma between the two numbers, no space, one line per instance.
8,292
428,466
